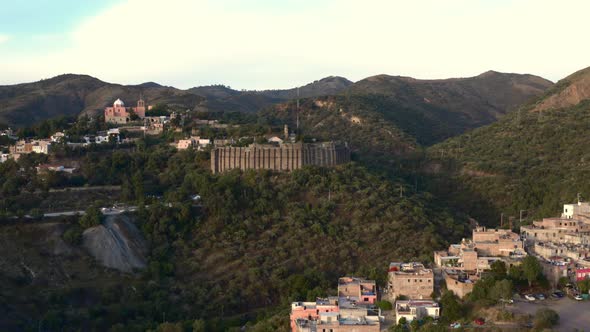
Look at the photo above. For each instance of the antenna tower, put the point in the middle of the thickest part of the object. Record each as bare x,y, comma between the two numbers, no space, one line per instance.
297,110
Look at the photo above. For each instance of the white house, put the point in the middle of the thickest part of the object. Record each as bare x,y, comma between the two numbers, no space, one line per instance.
58,137
571,210
416,309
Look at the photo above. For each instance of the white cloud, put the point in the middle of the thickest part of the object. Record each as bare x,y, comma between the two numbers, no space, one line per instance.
186,42
4,38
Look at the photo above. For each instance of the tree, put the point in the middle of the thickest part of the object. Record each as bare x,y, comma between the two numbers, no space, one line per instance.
91,218
498,269
531,269
73,235
451,308
199,325
170,327
502,290
545,318
36,213
584,286
384,305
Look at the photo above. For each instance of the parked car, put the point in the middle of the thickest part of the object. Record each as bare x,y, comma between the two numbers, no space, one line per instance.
509,301
530,297
455,325
557,294
479,321
540,296
578,297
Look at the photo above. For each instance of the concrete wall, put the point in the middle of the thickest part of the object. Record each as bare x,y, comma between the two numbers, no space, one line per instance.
410,285
286,157
459,288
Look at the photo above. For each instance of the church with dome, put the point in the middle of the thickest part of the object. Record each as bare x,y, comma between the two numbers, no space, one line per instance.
119,114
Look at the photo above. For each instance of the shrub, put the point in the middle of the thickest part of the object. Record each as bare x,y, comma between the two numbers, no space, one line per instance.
384,305
545,318
91,218
73,235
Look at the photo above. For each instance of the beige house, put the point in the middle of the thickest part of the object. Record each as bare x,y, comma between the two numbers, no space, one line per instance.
485,247
412,280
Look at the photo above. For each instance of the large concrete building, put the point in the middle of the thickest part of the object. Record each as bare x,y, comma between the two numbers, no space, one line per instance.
411,280
284,157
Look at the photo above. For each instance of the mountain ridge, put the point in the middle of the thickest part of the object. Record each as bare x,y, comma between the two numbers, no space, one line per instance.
73,94
534,159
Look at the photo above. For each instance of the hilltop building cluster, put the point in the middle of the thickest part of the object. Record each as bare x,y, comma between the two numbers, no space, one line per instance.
120,114
562,243
353,310
463,263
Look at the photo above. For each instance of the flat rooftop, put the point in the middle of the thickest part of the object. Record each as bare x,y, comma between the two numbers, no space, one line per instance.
413,268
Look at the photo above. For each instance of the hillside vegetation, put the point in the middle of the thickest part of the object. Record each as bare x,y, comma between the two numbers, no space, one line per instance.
67,95
530,160
257,241
428,110
434,110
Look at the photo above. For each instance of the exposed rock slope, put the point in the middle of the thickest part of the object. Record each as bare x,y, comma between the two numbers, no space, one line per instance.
117,244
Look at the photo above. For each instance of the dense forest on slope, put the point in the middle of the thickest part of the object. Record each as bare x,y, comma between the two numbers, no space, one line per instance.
434,110
353,119
533,160
258,241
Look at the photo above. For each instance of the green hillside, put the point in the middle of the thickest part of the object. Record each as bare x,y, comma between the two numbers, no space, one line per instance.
534,159
434,110
259,241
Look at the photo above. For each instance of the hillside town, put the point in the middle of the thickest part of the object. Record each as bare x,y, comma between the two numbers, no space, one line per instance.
559,244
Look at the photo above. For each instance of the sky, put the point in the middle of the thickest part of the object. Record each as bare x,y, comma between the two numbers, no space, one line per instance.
263,44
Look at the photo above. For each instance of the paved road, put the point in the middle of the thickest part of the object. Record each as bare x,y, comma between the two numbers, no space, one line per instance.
106,212
89,188
572,314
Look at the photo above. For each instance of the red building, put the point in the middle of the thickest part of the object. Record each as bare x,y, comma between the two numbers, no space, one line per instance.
582,274
120,114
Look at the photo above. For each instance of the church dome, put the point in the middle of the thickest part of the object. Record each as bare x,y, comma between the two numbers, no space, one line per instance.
118,103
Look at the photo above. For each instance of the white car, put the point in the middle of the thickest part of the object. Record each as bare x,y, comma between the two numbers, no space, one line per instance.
530,297
578,297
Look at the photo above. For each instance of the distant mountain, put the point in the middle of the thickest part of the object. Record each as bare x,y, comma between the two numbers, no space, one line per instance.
25,104
326,86
568,92
429,110
433,110
354,119
222,98
533,159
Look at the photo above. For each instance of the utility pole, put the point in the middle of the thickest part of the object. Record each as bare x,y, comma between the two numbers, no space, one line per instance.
579,198
502,220
401,191
298,111
520,220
